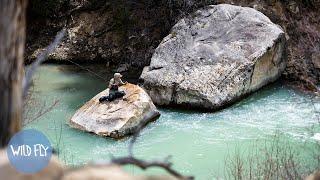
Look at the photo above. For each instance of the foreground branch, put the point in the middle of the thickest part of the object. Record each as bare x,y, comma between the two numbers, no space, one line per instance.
40,113
165,164
43,56
145,164
136,133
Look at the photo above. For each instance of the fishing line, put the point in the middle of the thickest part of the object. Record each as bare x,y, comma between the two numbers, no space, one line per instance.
97,75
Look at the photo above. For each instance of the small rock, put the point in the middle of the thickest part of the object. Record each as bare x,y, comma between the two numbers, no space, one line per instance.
122,68
100,51
316,59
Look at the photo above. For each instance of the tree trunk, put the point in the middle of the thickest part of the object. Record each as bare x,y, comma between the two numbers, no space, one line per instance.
12,41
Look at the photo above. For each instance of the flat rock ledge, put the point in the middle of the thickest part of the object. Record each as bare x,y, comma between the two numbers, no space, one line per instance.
214,57
118,118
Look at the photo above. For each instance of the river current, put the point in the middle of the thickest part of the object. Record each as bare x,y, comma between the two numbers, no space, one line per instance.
198,142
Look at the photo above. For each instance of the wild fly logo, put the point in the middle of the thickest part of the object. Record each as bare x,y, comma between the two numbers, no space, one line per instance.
29,151
25,150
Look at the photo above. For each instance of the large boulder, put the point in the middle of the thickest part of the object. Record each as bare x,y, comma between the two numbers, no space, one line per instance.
117,118
215,56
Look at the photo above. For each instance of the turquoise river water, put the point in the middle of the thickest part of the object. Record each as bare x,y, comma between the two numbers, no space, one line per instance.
198,142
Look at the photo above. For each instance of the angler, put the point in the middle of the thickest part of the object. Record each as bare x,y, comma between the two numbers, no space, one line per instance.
114,92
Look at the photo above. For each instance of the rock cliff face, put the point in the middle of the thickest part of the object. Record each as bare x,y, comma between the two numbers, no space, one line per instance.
127,32
110,31
118,118
214,56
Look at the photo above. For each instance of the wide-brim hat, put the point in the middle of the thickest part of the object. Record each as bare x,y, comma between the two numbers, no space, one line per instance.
117,75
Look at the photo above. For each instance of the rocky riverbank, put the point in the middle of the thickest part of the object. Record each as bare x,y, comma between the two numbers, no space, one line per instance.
126,33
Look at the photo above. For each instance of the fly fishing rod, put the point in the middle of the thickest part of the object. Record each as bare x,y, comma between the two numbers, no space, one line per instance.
93,73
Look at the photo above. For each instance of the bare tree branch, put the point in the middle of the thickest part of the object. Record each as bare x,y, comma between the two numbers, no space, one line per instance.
134,138
145,164
43,56
41,113
165,164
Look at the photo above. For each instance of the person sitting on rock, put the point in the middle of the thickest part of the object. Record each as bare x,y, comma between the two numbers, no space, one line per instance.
114,92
